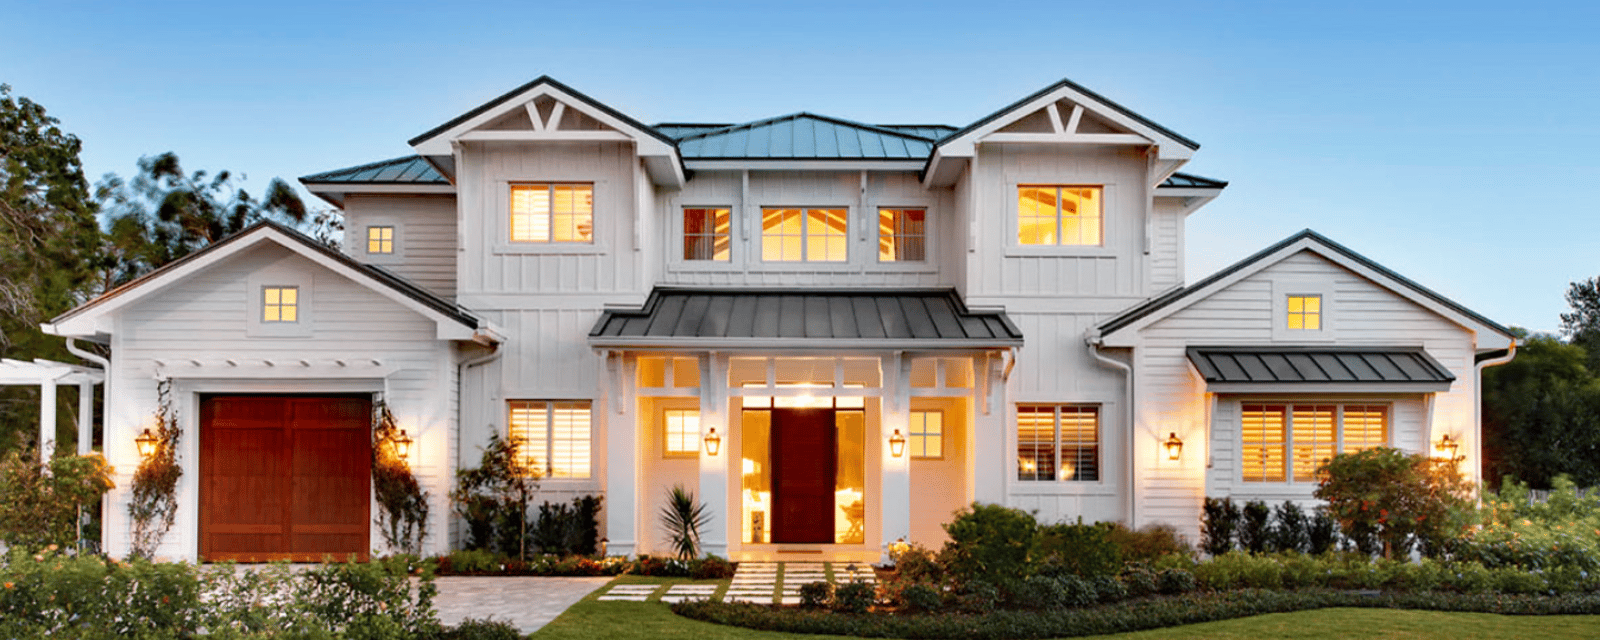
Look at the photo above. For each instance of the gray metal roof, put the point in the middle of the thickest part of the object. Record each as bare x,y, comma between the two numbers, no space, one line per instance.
804,136
768,317
677,130
1317,365
1180,180
402,170
929,131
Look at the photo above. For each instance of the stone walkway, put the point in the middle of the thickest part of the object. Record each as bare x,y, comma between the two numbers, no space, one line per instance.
757,582
528,603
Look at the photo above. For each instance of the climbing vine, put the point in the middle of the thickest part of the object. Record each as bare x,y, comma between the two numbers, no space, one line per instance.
154,504
402,504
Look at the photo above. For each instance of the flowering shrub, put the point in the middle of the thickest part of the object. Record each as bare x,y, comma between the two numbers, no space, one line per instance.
1387,500
1512,531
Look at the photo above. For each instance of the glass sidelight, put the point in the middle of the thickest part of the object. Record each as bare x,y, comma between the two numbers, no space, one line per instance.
804,475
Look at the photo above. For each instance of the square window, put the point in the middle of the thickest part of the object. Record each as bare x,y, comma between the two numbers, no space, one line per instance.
682,428
380,239
1058,442
552,436
280,304
552,213
706,234
1060,215
804,235
1305,312
902,235
927,434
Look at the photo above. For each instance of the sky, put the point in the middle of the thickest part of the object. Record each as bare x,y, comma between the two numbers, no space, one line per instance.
1454,142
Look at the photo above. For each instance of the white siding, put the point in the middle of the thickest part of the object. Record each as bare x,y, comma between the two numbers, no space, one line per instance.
425,251
1166,245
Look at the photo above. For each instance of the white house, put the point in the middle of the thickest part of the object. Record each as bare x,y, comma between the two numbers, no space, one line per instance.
835,333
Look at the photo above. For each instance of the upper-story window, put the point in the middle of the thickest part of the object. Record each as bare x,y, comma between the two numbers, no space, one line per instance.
804,235
1305,312
706,234
552,212
380,239
280,304
902,235
1062,215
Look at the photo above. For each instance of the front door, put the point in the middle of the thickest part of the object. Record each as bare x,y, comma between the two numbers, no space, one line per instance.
804,470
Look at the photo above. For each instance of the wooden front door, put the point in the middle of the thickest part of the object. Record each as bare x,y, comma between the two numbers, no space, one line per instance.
284,477
804,458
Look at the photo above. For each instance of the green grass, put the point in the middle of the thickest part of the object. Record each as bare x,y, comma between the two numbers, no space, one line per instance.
651,621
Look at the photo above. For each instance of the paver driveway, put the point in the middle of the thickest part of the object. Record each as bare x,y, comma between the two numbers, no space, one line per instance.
527,603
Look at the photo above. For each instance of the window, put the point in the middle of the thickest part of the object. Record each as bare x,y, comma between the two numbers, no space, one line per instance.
705,234
280,304
552,436
1305,312
902,235
927,434
683,432
552,212
1312,432
380,239
1059,215
1058,442
804,235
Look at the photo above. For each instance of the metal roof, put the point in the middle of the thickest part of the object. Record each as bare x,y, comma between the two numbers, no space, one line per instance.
929,131
1086,92
1317,365
676,130
1180,180
402,170
771,317
541,80
804,136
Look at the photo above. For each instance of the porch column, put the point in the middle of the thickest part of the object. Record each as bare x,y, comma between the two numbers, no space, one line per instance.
993,452
713,491
895,481
622,457
47,417
85,417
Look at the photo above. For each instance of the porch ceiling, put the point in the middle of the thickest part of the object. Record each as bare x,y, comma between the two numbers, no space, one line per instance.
861,318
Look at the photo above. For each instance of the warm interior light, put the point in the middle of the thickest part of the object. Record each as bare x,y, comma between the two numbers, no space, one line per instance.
897,444
713,442
402,445
1174,446
1447,446
147,444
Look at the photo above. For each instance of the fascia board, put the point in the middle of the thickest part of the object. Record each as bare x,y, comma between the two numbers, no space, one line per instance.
796,344
802,164
1310,388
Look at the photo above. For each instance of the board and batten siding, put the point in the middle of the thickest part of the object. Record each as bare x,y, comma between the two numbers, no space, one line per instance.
1173,398
425,247
1166,245
205,319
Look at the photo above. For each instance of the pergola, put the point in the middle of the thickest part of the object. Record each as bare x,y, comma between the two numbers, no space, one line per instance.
48,375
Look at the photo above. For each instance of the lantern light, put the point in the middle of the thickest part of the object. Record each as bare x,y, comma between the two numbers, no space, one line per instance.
1174,446
1448,446
146,443
897,444
402,445
713,442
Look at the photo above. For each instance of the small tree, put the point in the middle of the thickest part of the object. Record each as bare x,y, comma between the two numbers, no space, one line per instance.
40,503
494,498
1393,498
1218,528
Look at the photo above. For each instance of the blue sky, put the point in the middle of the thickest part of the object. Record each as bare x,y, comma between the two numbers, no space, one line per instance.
1453,142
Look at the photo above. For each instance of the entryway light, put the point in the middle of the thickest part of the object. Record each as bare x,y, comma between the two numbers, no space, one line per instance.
402,445
897,444
713,442
1174,446
1447,446
147,444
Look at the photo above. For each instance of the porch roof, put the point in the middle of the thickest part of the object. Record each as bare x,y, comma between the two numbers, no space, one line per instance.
804,318
1312,368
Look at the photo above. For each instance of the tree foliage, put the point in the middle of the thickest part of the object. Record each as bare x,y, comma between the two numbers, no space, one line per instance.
40,504
1388,500
1541,415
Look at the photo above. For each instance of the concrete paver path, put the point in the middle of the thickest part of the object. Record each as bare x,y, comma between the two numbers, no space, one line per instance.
527,603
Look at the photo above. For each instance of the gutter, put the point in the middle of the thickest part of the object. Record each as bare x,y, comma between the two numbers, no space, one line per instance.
1095,342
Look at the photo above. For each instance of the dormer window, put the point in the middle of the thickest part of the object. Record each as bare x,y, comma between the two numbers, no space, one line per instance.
1060,215
280,304
552,213
380,240
1305,312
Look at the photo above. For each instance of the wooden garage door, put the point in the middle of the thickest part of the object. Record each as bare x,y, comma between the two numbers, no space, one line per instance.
284,477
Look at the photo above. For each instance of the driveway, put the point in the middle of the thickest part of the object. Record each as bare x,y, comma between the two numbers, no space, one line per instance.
528,603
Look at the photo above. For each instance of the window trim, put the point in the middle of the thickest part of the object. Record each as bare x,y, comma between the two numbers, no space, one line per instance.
1289,404
267,305
280,275
1099,444
394,234
1282,288
666,434
1060,217
547,474
599,240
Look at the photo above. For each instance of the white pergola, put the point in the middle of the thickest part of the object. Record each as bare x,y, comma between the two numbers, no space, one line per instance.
48,375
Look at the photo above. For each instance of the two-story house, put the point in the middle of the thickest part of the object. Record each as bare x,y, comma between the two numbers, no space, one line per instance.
834,333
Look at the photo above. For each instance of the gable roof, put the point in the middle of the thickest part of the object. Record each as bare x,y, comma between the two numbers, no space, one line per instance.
1065,83
454,321
1143,314
803,136
531,85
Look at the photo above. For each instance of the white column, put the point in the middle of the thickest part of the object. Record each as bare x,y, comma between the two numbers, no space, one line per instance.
47,418
992,454
895,481
622,457
713,490
85,417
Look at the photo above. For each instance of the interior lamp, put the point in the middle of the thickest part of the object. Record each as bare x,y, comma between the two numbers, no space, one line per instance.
1174,446
897,444
146,443
713,442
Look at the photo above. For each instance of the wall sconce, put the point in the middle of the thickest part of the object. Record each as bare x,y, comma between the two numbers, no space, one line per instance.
1174,446
402,445
897,444
713,442
146,443
1448,446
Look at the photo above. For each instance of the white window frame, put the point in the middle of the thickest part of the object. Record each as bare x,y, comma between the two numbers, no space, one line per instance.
914,436
280,275
599,221
877,236
693,433
681,232
1282,289
1099,443
1016,206
760,237
1339,445
545,450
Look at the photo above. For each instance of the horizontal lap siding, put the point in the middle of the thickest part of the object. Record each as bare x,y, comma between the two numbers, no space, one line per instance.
427,251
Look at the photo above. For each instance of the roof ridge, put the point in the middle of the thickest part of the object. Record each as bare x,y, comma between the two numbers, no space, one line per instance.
805,114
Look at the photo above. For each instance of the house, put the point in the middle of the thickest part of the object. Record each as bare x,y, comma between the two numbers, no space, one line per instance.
835,333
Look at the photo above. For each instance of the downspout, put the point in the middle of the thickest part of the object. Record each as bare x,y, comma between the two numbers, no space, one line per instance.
1477,403
105,385
1094,342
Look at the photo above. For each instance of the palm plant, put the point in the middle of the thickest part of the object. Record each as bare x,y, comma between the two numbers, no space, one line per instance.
682,518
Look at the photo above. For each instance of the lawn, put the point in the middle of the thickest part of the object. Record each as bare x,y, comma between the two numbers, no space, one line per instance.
651,621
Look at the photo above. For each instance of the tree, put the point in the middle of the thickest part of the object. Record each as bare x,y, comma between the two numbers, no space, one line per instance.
48,237
1387,499
1541,415
1582,324
164,214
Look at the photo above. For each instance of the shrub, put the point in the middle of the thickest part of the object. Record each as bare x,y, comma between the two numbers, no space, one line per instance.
59,595
381,589
1176,581
977,596
1512,531
1255,530
921,598
1079,549
815,595
1291,531
1321,533
485,629
565,529
1039,593
494,497
40,503
989,542
1386,495
474,561
1109,589
1140,581
1218,526
682,518
1080,592
1149,542
854,597
710,568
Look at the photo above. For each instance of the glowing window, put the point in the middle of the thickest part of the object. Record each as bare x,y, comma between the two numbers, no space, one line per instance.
1059,215
552,436
927,434
804,235
280,304
1305,312
902,235
706,234
683,432
1314,433
380,239
552,212
1058,442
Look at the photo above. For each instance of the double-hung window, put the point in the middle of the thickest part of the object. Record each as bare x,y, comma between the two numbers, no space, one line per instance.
552,212
1058,442
552,436
1287,442
1060,215
804,235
